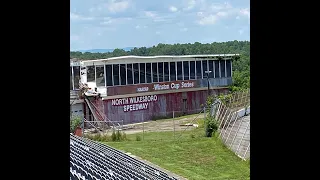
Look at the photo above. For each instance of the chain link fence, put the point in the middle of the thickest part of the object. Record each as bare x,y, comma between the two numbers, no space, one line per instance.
233,116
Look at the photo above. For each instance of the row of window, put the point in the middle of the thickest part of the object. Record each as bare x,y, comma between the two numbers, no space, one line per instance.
137,73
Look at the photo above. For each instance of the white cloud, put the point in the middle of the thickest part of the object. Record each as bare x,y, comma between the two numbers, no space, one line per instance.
222,14
155,17
245,12
78,17
106,22
140,27
200,13
210,13
157,32
184,29
180,24
212,19
150,14
117,6
190,4
227,5
240,31
173,9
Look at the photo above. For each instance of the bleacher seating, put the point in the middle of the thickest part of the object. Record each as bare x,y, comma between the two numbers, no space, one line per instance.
92,160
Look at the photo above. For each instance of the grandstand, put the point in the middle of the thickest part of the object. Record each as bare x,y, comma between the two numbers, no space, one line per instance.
123,88
91,160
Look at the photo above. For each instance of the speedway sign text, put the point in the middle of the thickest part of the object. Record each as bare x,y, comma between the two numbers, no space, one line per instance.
134,103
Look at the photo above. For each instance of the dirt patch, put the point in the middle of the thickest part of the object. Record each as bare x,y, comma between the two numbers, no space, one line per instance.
176,124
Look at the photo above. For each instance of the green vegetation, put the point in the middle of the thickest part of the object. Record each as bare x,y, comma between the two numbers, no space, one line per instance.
115,136
241,67
192,156
75,122
211,125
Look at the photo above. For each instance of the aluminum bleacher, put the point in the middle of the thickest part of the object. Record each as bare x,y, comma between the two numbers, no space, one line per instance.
92,160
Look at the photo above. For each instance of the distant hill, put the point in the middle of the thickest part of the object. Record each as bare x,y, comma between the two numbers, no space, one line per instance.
103,50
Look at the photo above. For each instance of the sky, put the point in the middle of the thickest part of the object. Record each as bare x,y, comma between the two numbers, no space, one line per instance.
110,24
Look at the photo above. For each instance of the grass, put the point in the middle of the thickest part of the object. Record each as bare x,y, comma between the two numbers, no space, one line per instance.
192,156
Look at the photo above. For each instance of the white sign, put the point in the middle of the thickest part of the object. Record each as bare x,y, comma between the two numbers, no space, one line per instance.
134,103
142,89
173,86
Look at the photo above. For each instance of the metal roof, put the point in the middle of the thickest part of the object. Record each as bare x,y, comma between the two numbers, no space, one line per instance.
163,56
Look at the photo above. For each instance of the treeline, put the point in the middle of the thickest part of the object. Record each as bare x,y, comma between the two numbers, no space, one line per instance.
241,67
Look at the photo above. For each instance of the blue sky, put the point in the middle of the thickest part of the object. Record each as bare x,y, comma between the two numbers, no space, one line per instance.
109,24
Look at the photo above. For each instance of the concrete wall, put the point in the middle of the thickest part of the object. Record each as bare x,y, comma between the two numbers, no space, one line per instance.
242,112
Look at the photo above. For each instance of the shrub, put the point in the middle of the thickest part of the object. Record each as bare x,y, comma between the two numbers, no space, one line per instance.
124,136
118,136
113,135
138,138
211,123
97,137
75,122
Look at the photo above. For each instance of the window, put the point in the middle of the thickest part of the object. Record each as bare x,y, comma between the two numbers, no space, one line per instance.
172,71
186,70
100,75
211,75
204,68
148,74
192,70
228,68
123,77
198,68
154,72
179,71
116,74
160,68
109,75
129,74
142,73
223,68
166,71
90,74
216,69
136,73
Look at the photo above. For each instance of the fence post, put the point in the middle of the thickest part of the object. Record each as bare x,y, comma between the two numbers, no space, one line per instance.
174,128
204,119
142,127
